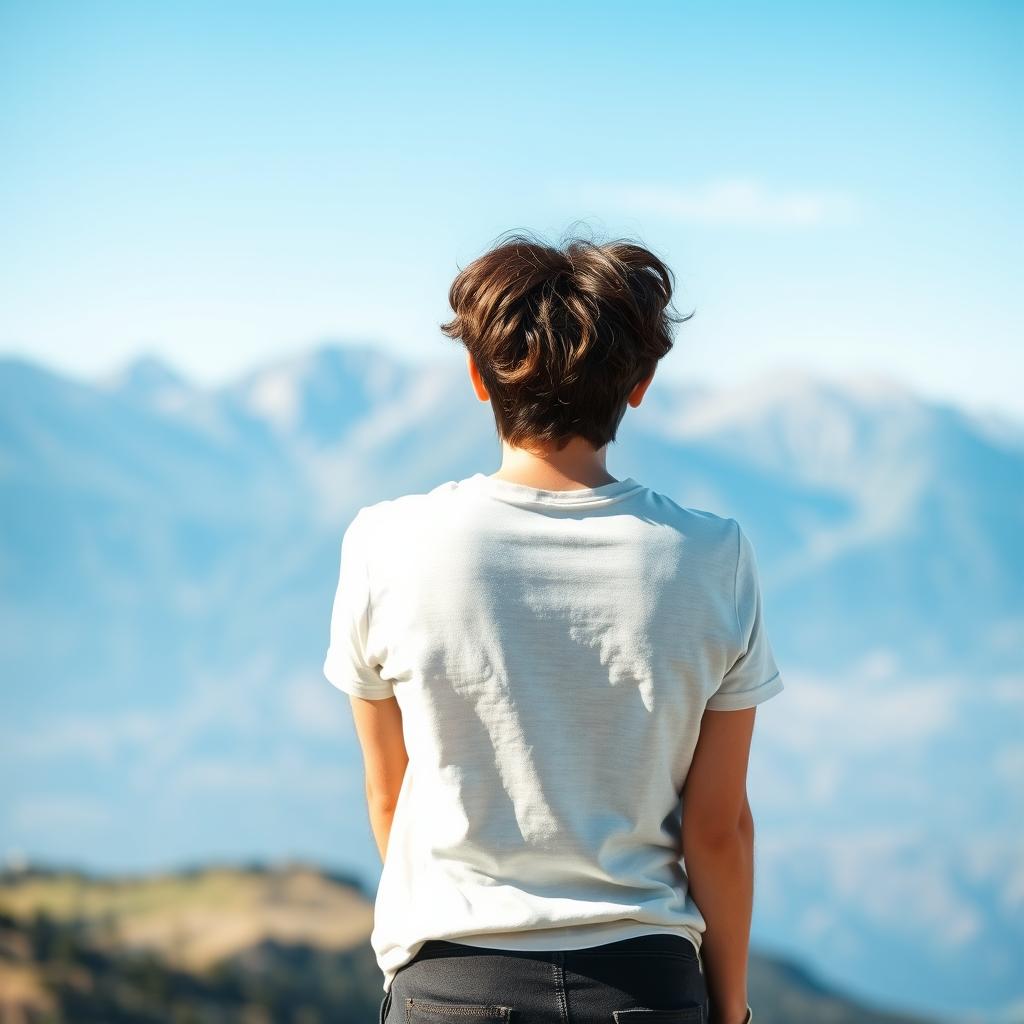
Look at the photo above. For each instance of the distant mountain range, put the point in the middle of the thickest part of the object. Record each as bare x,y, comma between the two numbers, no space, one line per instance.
168,557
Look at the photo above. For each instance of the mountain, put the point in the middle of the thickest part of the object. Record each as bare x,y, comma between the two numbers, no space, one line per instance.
226,944
150,380
169,553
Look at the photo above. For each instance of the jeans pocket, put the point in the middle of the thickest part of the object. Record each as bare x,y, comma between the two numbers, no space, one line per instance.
424,1011
680,1015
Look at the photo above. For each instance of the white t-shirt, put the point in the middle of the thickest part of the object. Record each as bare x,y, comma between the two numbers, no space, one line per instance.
552,653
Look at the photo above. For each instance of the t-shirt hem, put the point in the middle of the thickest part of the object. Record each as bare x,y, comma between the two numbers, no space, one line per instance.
573,937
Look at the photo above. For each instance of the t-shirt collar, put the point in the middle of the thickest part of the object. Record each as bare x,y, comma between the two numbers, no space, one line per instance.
523,494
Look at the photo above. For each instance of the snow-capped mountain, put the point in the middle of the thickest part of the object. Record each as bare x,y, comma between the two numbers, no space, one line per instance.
169,554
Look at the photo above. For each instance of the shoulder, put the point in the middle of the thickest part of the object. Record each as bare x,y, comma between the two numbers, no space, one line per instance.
716,534
393,516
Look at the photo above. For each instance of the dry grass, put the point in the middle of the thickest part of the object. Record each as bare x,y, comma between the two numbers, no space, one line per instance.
194,920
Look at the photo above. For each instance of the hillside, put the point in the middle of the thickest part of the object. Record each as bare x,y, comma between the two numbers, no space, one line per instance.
220,945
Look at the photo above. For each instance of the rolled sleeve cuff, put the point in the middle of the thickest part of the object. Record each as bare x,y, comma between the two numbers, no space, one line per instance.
736,700
349,681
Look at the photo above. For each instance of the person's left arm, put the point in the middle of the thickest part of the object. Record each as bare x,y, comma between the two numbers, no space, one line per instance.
378,725
351,666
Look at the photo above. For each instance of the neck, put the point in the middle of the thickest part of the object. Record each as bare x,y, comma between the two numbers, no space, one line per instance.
578,464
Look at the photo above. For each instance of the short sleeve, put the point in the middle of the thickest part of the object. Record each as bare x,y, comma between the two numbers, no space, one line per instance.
347,665
754,676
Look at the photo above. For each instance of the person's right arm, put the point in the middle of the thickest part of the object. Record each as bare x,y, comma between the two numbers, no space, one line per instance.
718,851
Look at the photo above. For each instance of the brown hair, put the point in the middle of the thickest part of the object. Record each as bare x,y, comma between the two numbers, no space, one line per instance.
562,334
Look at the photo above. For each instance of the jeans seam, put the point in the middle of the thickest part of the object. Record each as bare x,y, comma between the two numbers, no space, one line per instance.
558,967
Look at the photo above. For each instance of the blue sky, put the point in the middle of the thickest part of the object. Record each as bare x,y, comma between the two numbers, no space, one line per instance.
833,184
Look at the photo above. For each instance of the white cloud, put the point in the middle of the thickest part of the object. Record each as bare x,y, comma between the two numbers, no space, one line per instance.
828,718
740,202
896,878
55,812
1008,689
286,772
1008,764
315,708
99,738
157,742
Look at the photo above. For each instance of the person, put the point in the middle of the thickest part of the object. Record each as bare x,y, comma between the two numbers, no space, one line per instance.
553,674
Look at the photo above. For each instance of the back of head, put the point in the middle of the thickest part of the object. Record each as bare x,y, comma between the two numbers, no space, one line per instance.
562,334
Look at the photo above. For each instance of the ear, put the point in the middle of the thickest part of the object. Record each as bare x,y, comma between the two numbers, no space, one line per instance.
637,394
474,376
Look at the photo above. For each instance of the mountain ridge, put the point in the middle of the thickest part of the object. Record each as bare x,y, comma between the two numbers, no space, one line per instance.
167,575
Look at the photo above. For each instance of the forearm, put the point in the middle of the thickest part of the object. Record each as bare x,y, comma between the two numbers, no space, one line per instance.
382,789
721,879
382,814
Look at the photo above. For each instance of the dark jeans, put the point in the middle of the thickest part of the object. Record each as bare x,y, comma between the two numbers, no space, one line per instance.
650,979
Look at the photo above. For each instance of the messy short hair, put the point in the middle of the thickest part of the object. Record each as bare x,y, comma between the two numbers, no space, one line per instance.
562,334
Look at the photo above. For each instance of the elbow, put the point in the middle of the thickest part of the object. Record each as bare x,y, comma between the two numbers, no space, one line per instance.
381,800
746,822
382,807
720,831
716,839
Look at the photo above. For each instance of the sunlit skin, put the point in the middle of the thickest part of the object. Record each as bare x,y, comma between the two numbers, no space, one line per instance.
718,828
